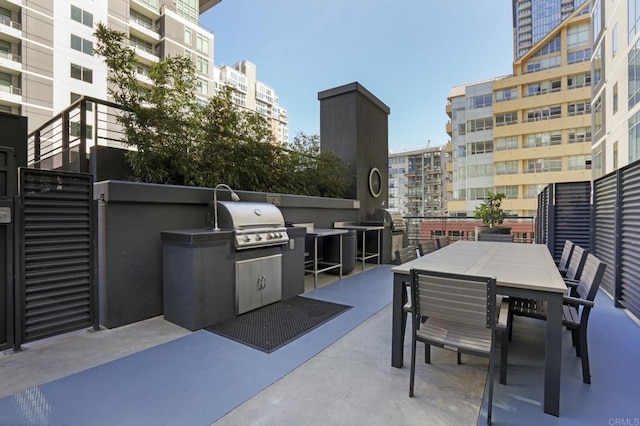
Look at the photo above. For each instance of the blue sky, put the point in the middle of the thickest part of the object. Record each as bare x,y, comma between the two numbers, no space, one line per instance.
408,53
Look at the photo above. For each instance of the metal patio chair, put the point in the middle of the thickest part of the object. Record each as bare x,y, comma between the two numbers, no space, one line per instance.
460,315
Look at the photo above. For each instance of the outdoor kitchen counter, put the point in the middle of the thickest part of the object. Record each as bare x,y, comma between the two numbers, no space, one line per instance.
199,273
316,233
363,229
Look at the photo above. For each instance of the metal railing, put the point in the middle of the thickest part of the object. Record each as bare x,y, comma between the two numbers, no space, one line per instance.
422,228
63,142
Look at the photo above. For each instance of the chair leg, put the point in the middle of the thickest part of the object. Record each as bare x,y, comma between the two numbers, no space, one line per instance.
491,371
584,351
427,353
413,365
504,350
575,338
510,324
459,358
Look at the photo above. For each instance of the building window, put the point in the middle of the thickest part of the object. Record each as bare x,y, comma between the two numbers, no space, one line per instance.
203,86
81,73
544,139
81,45
614,40
577,36
506,167
187,37
597,115
480,147
462,129
81,16
578,81
596,20
504,144
633,12
582,134
544,64
615,155
511,191
579,56
138,18
202,65
480,101
552,47
544,113
543,87
634,75
597,161
480,170
480,124
596,66
543,165
138,43
532,191
614,100
634,137
188,9
202,43
579,108
507,118
579,162
506,94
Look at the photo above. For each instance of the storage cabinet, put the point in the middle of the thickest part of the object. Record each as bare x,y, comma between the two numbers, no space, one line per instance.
258,282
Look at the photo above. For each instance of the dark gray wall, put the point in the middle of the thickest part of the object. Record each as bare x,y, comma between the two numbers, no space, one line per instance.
131,217
14,135
354,124
109,163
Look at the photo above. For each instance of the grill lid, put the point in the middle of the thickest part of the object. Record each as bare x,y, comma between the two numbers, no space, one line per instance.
239,215
254,224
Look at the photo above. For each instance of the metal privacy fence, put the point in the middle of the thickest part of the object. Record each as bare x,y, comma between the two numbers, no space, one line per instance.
57,251
617,221
564,213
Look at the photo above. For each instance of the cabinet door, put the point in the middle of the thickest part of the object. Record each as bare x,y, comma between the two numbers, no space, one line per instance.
272,272
248,285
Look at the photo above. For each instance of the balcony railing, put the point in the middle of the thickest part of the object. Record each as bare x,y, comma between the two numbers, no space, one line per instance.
10,56
11,89
9,23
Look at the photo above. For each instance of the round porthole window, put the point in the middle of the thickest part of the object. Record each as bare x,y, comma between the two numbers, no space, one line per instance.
375,182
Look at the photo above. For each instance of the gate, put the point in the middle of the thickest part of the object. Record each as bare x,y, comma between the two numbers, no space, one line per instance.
56,247
7,193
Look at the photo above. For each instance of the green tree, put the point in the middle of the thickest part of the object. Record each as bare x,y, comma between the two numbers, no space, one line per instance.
179,141
490,211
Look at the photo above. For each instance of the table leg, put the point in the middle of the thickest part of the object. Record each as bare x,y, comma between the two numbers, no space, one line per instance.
379,254
399,320
340,258
364,237
315,262
553,355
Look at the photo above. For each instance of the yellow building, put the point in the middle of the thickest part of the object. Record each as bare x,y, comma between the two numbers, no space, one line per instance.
540,127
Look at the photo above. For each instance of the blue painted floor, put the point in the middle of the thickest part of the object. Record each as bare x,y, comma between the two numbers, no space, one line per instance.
612,398
193,380
197,379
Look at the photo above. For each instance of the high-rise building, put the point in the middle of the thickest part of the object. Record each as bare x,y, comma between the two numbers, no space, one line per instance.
254,95
537,121
534,19
418,181
47,61
615,65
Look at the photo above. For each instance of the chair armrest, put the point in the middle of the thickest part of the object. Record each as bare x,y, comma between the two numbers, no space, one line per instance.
575,301
570,282
503,313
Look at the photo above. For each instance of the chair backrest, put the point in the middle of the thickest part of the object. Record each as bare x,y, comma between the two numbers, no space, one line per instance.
442,242
576,263
591,277
566,254
457,298
428,246
406,254
503,238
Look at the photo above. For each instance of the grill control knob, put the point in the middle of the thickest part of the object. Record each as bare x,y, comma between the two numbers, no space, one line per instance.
246,239
258,237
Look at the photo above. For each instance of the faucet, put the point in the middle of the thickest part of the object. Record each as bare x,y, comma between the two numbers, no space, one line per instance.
234,197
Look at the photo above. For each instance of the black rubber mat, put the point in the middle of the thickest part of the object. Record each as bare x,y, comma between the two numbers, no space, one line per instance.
273,326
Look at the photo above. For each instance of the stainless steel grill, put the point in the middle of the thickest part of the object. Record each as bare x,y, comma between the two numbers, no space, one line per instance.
254,224
394,218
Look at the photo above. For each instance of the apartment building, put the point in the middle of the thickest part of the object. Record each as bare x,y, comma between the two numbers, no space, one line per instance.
539,130
47,61
418,181
615,67
250,93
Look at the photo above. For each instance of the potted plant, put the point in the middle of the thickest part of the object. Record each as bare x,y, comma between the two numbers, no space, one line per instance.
491,214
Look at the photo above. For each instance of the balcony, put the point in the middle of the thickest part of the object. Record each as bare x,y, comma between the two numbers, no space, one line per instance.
448,109
10,63
11,94
11,28
449,128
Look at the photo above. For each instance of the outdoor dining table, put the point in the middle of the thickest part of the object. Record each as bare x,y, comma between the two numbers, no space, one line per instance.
521,270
